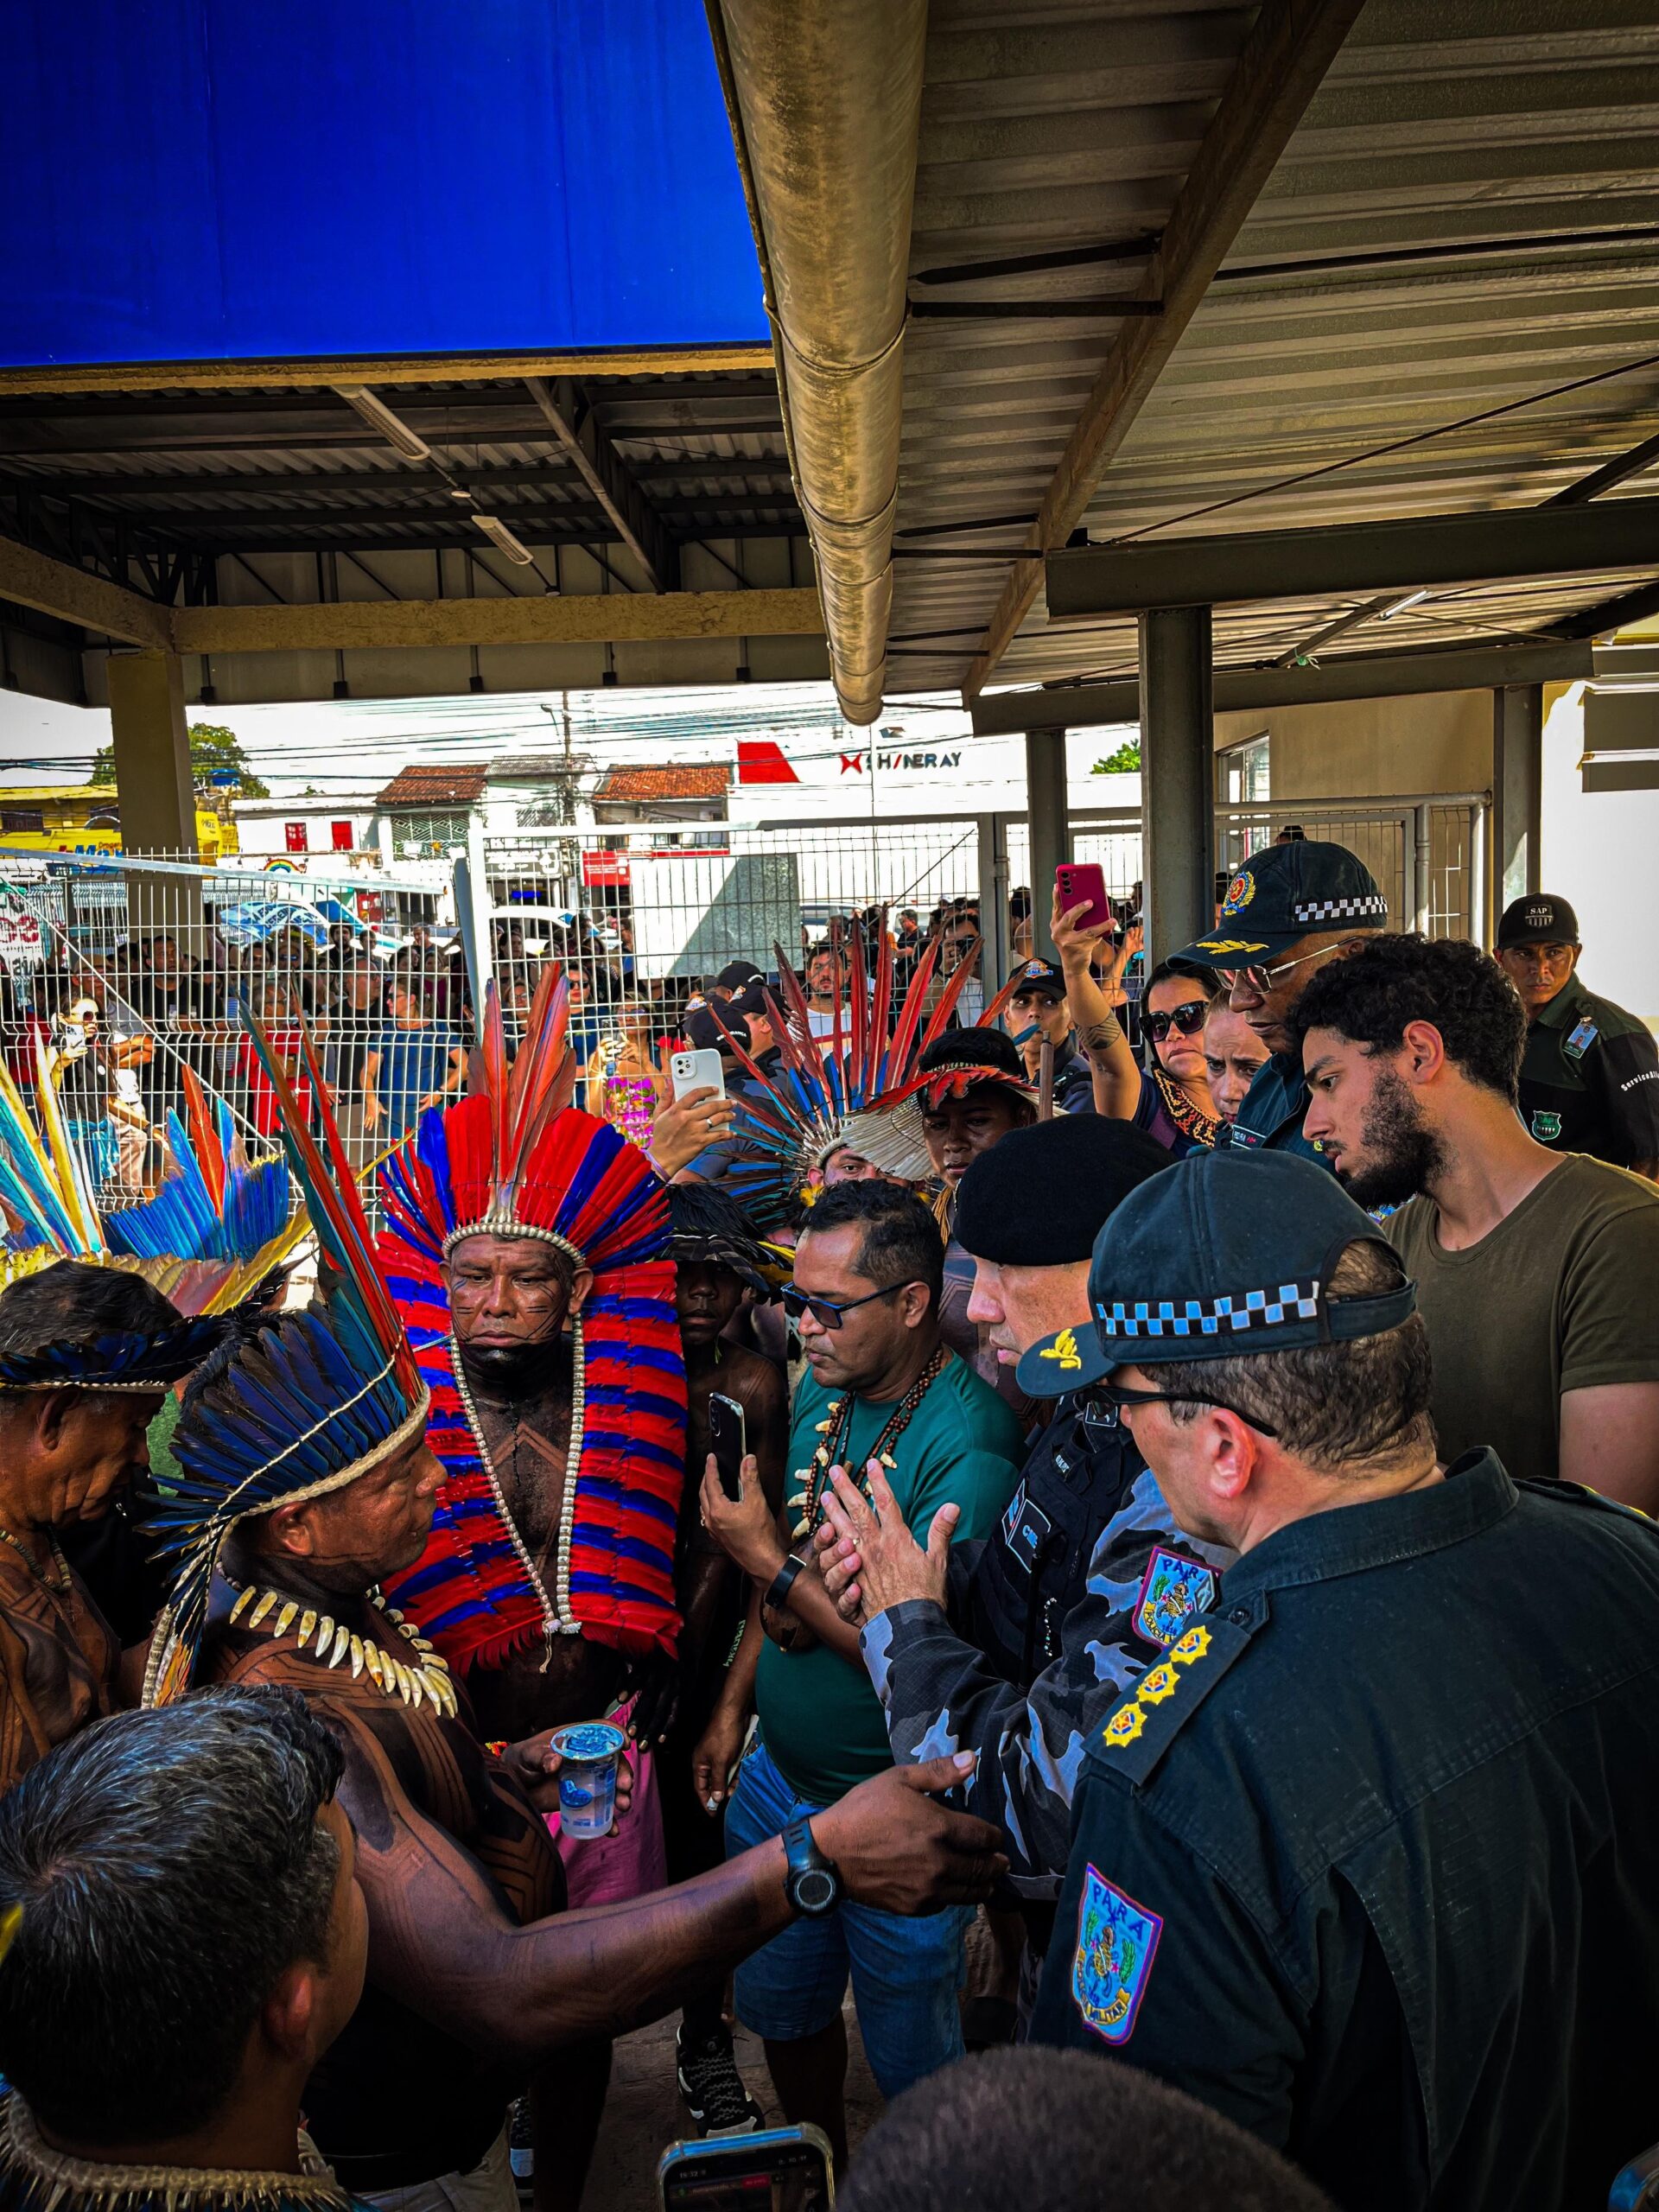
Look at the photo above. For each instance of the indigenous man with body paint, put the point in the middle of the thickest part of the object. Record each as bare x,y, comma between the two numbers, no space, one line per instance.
306,1484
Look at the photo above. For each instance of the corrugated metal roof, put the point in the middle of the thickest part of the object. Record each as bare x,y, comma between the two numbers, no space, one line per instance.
1466,217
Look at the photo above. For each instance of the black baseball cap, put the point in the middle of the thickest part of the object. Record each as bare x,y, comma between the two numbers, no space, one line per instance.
704,1033
1226,1252
1040,1198
1282,895
1039,976
1538,918
735,973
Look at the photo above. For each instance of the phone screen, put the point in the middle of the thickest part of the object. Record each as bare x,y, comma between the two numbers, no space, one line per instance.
783,2170
727,1440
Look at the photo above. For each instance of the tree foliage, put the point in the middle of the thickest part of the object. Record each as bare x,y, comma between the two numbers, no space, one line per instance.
213,747
1125,761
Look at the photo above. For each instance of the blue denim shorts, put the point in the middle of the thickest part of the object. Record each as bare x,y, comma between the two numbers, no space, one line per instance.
906,1973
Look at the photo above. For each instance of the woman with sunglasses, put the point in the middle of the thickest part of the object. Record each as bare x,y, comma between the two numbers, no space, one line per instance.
1169,1098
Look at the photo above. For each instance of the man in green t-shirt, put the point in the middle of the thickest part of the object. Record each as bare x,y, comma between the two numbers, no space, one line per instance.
1535,1270
880,1384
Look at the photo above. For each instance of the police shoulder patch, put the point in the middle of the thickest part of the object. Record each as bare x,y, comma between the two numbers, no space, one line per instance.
1172,1587
1147,1717
1117,1941
1545,1127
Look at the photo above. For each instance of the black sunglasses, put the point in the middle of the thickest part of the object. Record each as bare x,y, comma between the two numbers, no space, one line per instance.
828,1312
1121,1394
1188,1019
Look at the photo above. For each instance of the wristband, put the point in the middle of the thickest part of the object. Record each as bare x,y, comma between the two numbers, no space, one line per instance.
782,1583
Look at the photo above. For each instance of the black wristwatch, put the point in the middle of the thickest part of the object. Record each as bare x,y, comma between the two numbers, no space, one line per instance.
811,1883
782,1583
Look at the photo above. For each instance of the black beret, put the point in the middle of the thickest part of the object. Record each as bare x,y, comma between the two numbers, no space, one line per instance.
1041,1196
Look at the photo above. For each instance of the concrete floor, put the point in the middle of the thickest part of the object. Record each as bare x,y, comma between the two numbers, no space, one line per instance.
643,2115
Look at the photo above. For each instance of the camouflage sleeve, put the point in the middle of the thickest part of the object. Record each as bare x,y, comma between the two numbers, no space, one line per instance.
940,1694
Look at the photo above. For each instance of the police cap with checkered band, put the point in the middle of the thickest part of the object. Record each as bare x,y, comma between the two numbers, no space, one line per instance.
1282,895
1223,1253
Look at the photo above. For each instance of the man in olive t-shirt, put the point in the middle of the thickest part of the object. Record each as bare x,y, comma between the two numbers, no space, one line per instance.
866,1296
1535,1271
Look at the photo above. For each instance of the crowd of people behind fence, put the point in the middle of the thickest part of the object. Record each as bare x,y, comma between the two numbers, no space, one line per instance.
1152,1464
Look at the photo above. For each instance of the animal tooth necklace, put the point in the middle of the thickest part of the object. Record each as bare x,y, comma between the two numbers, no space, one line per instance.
421,1672
834,1429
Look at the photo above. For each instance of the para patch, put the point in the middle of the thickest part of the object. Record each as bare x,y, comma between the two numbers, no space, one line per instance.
1117,1941
1172,1588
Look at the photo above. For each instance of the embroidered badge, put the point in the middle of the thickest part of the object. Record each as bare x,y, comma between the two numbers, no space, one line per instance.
1193,1645
1581,1039
1240,892
1117,1939
1063,1349
1221,945
1125,1725
1545,1127
1156,1684
1172,1588
1011,1518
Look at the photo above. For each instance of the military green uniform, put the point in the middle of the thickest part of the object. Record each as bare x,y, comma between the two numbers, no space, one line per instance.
1368,1861
1590,1079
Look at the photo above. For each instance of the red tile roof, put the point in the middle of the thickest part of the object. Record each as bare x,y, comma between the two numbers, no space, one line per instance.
696,779
441,784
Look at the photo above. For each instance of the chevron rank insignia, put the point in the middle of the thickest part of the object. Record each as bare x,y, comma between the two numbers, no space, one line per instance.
1117,1941
1172,1587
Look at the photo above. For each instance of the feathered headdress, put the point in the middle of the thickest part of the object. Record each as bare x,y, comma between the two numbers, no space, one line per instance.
515,1159
826,1090
212,1232
314,1400
712,1228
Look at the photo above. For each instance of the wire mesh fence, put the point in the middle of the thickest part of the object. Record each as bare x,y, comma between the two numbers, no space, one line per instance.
117,974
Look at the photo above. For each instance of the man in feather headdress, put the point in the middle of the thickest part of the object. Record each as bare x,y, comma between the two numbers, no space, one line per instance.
311,1463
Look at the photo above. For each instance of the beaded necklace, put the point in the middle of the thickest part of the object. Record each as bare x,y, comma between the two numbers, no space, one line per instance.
421,1673
834,1429
34,2175
58,1582
1191,1121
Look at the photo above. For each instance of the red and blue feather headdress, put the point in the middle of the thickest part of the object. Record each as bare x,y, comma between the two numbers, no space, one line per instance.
515,1159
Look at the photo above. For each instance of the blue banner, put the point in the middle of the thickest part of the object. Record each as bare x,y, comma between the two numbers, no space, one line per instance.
202,179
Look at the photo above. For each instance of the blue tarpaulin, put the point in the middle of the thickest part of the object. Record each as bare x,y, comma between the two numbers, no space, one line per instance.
195,180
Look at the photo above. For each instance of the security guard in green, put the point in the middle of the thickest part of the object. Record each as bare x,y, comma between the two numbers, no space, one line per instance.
1590,1075
1368,1862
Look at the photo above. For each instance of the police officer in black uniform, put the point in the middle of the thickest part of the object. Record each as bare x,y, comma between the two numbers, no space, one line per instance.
1590,1075
1046,1622
1287,911
1369,1861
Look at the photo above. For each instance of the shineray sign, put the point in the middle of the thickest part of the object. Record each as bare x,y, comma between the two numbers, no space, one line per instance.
267,180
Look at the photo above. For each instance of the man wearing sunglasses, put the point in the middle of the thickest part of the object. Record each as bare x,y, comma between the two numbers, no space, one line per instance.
1387,1804
1288,913
865,1298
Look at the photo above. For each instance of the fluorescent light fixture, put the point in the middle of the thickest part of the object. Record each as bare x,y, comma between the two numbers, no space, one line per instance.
504,541
1399,607
380,417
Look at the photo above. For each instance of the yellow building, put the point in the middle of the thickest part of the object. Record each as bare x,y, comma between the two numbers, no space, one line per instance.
85,818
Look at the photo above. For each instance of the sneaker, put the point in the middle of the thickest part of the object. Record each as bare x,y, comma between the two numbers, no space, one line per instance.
521,2149
712,2088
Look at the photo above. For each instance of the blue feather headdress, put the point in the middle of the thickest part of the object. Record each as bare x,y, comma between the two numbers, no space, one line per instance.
307,1406
119,1360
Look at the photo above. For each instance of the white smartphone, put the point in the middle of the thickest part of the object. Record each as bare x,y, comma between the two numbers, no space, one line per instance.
696,1071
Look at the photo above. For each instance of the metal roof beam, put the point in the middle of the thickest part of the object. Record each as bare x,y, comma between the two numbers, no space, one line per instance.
576,428
1409,555
543,619
1284,60
72,595
1373,676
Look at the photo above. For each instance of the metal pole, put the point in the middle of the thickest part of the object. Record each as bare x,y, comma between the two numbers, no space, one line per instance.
1177,777
993,841
1518,788
1050,829
1480,927
1422,869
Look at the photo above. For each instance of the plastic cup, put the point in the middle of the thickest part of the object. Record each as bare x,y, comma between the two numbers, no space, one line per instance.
589,1749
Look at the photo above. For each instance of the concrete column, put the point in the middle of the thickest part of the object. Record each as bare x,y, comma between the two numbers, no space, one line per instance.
993,888
156,792
1517,790
1177,777
1049,826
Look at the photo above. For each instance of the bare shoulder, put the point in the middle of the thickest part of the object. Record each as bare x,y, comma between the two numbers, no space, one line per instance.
749,1377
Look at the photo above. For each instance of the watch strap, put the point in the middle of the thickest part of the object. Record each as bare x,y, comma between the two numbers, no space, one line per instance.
782,1582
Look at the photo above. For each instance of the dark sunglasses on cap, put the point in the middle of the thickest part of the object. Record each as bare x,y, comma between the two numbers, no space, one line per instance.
1188,1019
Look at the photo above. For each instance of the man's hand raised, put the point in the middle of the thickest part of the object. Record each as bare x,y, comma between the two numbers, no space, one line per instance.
895,1847
874,1561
